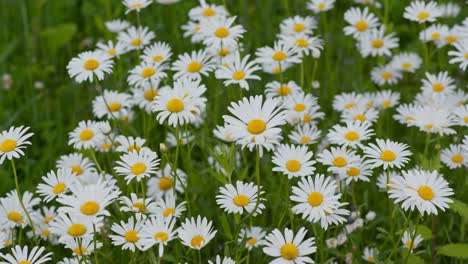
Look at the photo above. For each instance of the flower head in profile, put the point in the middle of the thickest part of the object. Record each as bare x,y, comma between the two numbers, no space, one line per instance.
135,5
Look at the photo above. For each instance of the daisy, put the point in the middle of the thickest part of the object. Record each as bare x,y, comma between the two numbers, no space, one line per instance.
280,54
315,197
135,5
207,11
158,52
86,136
12,213
117,25
302,108
438,84
353,134
69,226
220,32
276,68
304,44
181,104
84,247
336,216
360,22
276,89
137,165
111,104
167,207
20,255
147,73
197,233
318,6
13,141
385,178
405,114
432,120
451,36
129,234
88,200
225,260
376,43
289,248
406,62
255,123
136,37
433,32
460,115
111,49
424,190
224,133
360,171
129,144
411,240
193,29
242,196
421,11
78,164
56,184
166,181
158,231
193,65
238,71
138,205
252,237
386,99
386,74
221,54
361,114
387,153
89,64
460,56
450,9
339,159
298,25
305,135
144,96
369,254
347,101
454,156
293,161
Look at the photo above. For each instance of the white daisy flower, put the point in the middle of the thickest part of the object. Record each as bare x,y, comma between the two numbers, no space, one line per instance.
352,134
360,21
242,196
293,161
117,25
12,213
84,247
369,254
280,54
136,37
78,164
437,121
298,25
144,96
86,136
167,207
158,52
13,141
225,260
252,237
411,240
386,74
452,36
305,135
361,114
336,216
304,44
347,101
69,226
289,248
376,43
387,153
339,159
129,144
360,171
450,9
238,71
220,32
277,89
207,11
160,231
55,184
135,5
385,178
147,73
111,49
224,133
193,65
18,255
405,114
138,205
406,62
197,233
318,6
165,181
137,165
460,56
460,115
438,84
302,108
111,104
193,30
129,234
89,64
386,99
421,11
433,32
454,156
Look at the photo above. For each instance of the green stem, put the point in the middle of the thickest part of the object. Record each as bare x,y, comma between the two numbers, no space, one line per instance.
95,242
412,239
93,156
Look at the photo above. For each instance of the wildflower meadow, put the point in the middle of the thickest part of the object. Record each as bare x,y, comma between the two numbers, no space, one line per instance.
233,131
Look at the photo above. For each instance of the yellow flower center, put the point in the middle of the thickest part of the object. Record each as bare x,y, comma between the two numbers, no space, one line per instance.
150,94
466,119
158,58
197,241
252,241
90,208
134,147
321,6
24,262
76,230
136,6
241,200
59,188
114,107
457,158
352,136
238,75
299,27
289,251
305,139
279,56
426,192
76,169
165,183
350,105
451,39
299,107
306,118
303,43
223,52
315,199
293,165
131,236
423,15
148,72
256,126
340,162
466,55
409,118
435,35
138,168
105,146
388,155
8,145
386,103
360,117
208,12
15,216
221,32
406,65
353,171
47,219
370,259
283,90
175,105
112,52
362,25
276,70
80,251
86,134
136,42
45,233
168,211
140,206
91,64
438,87
194,66
161,236
387,75
377,43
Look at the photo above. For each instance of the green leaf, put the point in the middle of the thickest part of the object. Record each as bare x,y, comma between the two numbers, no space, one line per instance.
454,250
415,259
460,207
56,37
